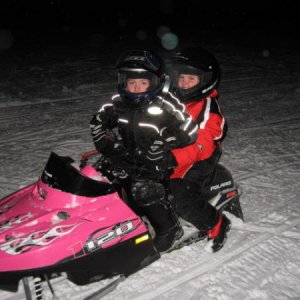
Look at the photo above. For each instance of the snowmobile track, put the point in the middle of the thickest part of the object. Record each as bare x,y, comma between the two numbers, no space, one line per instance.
215,262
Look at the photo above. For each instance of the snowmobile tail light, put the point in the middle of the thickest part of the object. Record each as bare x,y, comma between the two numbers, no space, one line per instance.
142,238
231,194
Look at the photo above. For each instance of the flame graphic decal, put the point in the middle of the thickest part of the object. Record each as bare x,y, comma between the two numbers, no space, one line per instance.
15,221
39,238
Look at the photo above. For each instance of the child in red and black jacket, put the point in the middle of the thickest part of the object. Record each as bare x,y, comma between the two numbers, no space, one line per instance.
196,76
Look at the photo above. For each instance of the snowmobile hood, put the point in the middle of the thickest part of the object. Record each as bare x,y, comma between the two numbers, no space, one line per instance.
42,225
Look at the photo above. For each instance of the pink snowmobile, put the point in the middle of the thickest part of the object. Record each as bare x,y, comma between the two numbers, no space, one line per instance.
74,221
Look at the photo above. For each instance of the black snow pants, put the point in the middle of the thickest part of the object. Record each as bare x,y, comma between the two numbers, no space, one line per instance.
188,197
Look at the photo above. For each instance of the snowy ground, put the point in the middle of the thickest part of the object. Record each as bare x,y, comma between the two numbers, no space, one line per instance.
47,96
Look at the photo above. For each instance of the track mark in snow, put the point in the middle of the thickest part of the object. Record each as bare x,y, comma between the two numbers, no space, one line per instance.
276,167
266,229
45,101
284,124
53,134
220,259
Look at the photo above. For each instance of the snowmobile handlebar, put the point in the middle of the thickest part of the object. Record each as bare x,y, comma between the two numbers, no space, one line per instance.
126,165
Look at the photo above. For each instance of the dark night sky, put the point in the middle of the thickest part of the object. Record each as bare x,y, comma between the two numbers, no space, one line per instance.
112,17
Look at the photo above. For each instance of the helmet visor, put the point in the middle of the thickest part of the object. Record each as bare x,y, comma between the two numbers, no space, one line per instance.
137,81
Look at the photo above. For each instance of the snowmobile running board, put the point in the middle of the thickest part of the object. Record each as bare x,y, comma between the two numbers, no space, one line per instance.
187,239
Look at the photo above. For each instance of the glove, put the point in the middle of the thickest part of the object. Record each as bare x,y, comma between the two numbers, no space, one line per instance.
104,166
107,118
122,167
104,134
160,156
109,148
114,168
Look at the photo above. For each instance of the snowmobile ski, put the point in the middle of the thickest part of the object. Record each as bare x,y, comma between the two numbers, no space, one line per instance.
106,289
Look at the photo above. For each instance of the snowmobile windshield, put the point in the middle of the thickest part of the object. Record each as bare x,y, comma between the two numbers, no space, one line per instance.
61,175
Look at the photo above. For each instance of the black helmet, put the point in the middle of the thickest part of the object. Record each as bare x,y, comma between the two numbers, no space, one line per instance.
195,61
141,64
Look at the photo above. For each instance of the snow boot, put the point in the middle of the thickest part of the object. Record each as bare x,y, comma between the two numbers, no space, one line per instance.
151,199
164,241
218,234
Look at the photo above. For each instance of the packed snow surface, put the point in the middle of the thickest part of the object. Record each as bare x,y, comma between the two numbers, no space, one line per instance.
47,101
